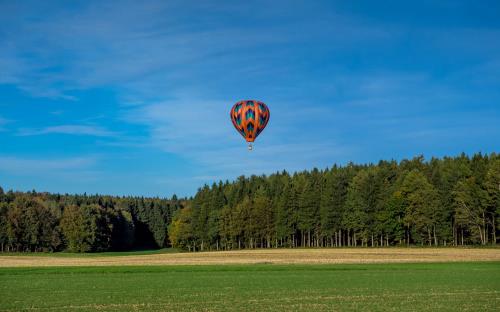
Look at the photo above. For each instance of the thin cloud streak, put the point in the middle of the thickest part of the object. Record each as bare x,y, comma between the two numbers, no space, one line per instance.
69,130
200,130
153,46
16,165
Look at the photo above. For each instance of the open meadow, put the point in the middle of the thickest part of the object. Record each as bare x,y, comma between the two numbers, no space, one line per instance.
391,279
354,287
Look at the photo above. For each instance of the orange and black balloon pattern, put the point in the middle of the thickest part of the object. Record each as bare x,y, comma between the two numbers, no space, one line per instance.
250,118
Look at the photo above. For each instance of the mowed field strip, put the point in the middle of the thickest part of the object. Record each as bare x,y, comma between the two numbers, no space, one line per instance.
263,256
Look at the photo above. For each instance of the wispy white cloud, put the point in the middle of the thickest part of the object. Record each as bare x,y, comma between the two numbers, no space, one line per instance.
183,125
333,81
381,106
160,47
147,51
200,131
70,130
18,165
54,174
268,158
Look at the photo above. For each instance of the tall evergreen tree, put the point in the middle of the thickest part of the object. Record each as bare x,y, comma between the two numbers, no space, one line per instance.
470,209
492,187
421,202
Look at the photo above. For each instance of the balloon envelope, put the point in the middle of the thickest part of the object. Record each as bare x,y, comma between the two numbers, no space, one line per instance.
250,117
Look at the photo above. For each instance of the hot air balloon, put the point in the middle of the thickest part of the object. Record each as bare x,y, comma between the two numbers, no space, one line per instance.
250,117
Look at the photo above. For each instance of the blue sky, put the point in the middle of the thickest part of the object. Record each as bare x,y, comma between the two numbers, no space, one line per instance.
133,98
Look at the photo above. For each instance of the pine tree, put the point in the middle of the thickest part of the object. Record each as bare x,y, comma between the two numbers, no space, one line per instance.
492,188
421,203
308,212
470,208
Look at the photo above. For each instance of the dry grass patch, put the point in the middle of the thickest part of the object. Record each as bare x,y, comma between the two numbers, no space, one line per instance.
268,256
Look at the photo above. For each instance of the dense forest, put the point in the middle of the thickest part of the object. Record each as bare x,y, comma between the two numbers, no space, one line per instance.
439,202
80,223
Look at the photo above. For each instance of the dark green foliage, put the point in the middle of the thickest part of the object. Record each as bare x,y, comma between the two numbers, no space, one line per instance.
29,225
421,204
4,238
123,230
412,202
76,229
87,228
45,222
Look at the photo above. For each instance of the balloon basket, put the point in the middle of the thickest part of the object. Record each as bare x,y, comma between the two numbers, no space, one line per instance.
250,147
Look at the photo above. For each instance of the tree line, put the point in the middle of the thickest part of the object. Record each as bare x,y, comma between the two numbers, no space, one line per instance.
34,221
439,202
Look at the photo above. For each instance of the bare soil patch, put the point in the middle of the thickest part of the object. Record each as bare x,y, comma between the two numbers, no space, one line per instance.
268,256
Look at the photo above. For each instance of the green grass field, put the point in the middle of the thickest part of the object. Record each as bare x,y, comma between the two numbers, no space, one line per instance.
370,287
